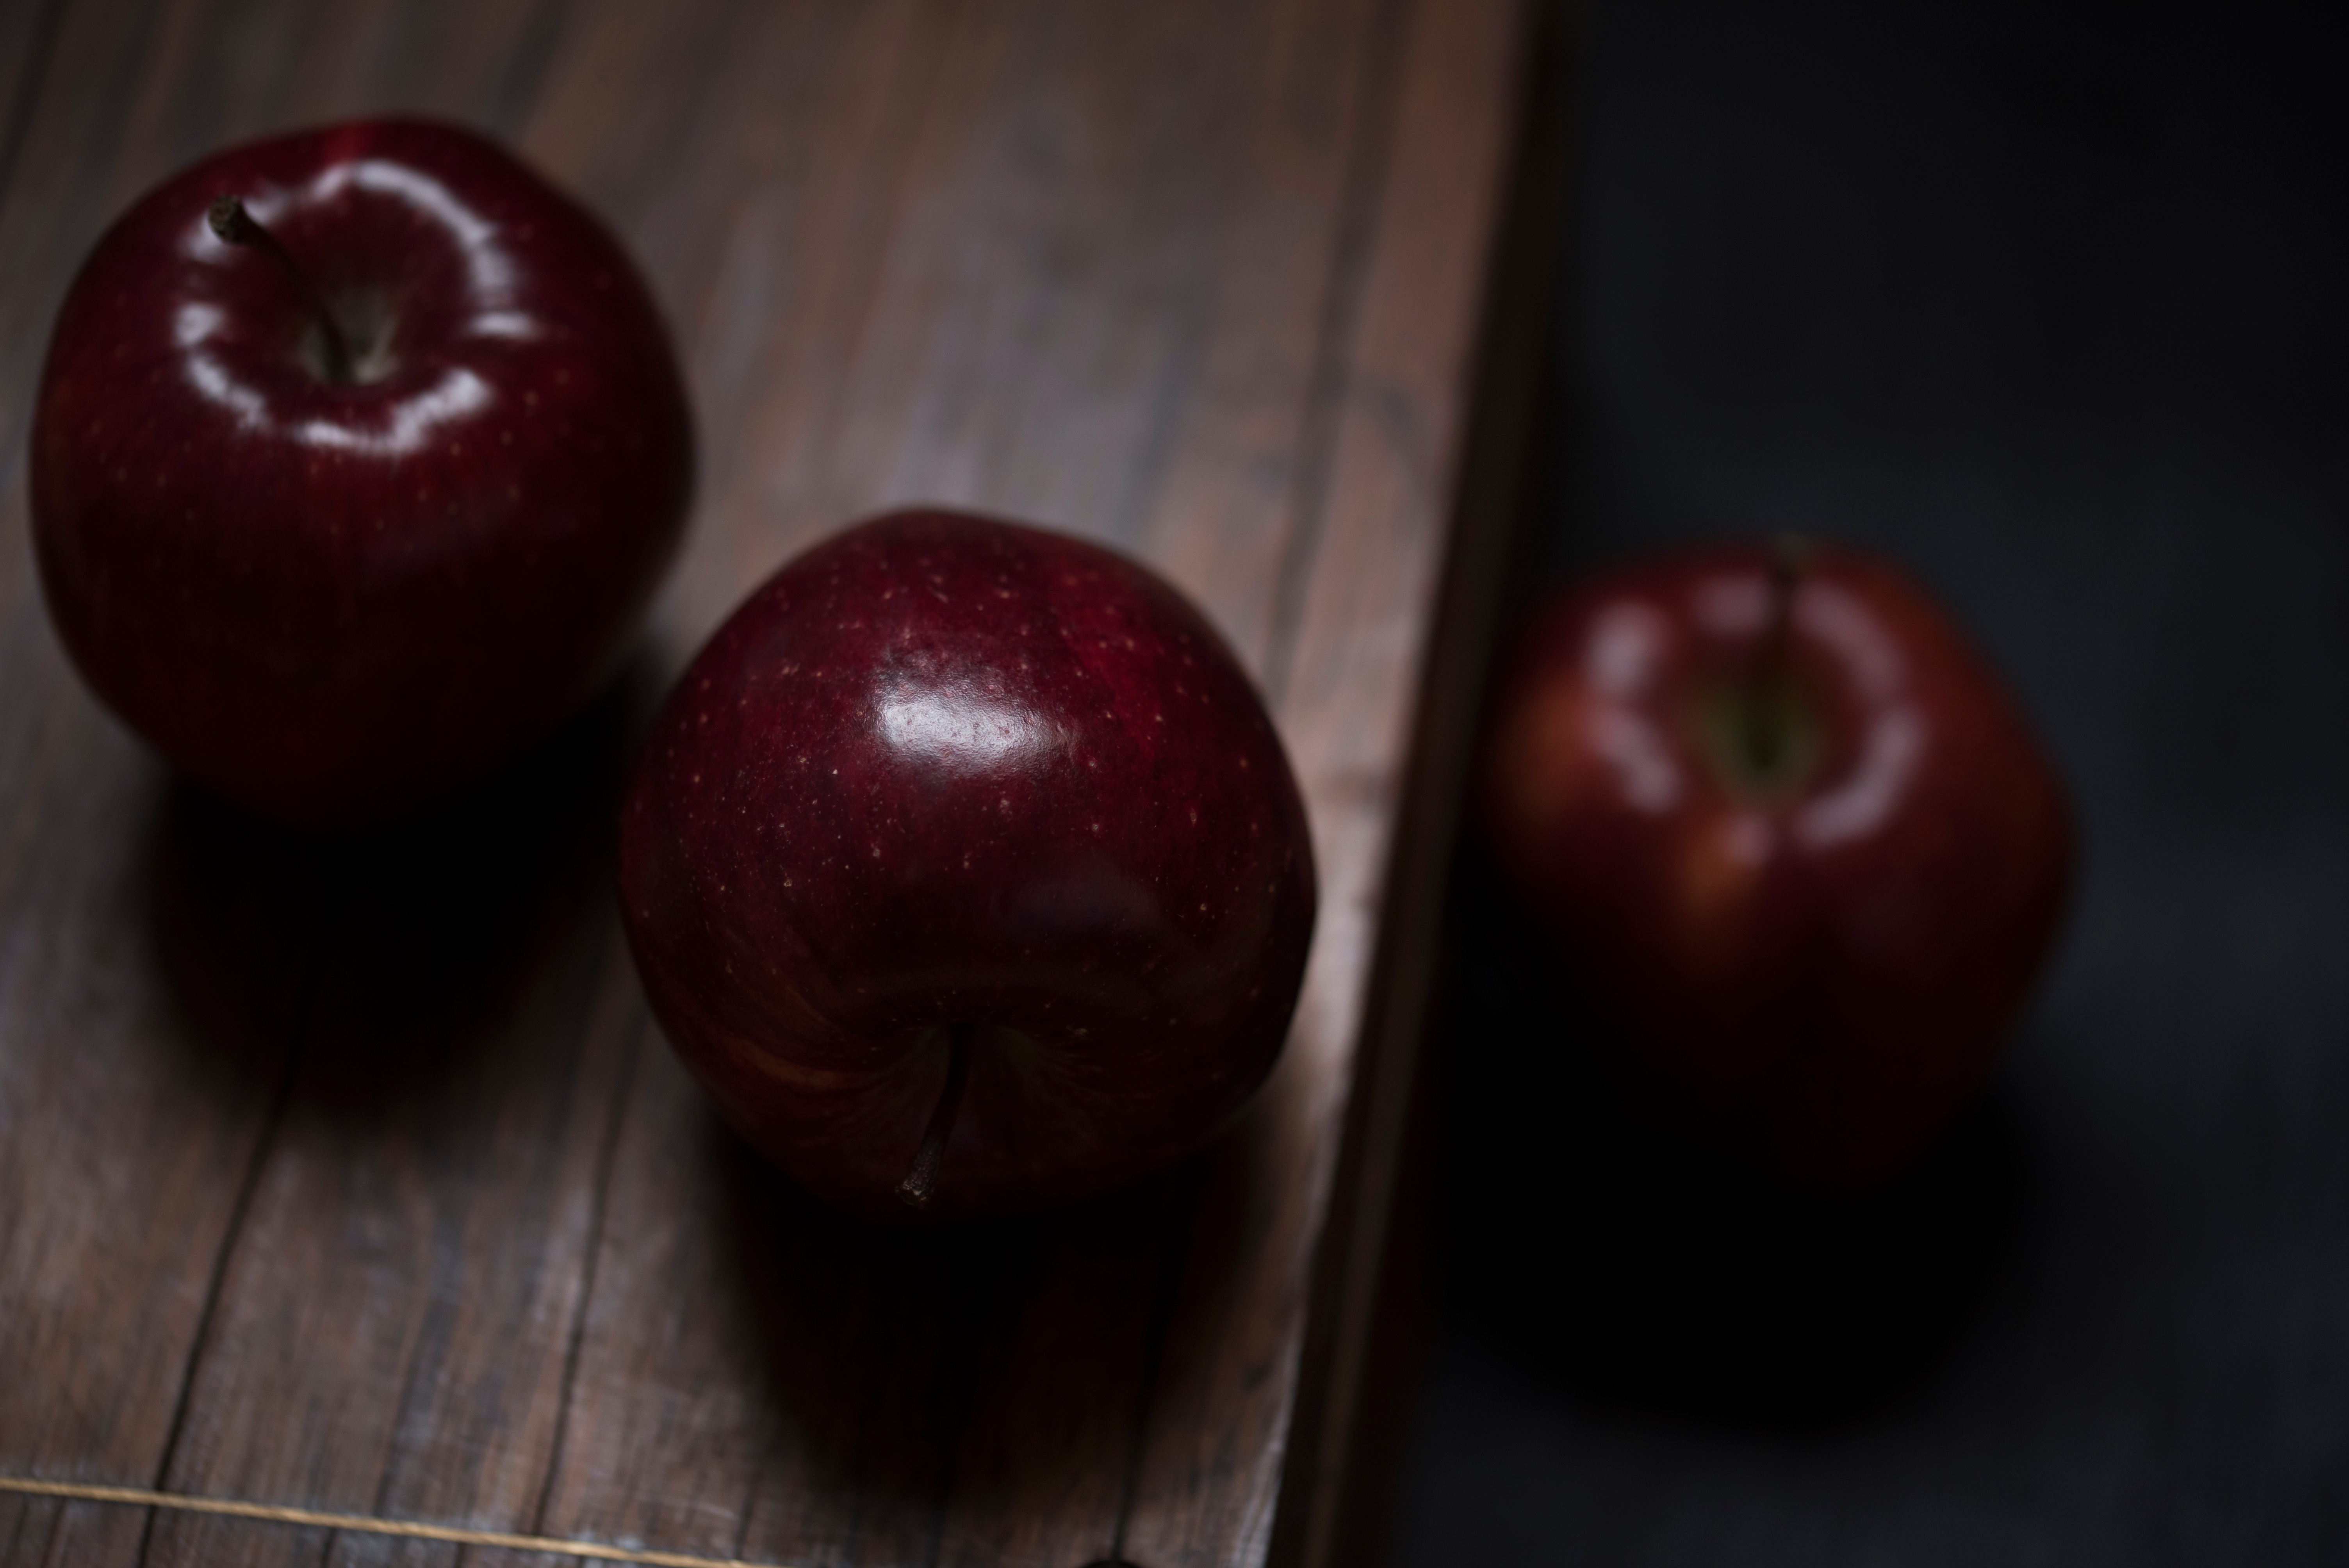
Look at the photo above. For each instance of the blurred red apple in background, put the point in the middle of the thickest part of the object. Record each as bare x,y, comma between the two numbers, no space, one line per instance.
964,869
357,457
1800,853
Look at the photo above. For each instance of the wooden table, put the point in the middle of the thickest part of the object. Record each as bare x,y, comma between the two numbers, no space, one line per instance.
348,1187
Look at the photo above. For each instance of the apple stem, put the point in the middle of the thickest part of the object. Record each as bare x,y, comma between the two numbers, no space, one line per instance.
236,226
1768,677
921,1182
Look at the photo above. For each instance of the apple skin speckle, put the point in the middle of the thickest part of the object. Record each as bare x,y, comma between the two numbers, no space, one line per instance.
1038,880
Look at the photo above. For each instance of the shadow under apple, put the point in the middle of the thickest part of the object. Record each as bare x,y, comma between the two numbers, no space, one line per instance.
970,1374
1645,1276
375,969
390,987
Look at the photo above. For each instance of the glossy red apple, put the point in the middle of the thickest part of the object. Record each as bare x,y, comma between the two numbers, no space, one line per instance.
1799,850
358,454
966,871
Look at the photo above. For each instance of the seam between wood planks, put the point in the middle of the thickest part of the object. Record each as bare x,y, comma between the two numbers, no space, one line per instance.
270,1514
607,1157
1362,192
28,91
264,1139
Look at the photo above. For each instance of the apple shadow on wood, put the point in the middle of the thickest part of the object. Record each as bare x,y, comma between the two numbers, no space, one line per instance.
373,973
394,995
883,1346
1007,1365
1644,1275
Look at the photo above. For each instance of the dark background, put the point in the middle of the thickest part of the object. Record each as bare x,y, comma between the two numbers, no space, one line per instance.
2045,301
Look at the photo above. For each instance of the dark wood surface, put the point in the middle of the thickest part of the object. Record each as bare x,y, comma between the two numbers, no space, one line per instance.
353,1177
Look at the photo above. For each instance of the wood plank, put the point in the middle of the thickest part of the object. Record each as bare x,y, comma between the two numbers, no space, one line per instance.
443,1233
156,952
967,165
397,1319
132,1086
1356,1382
1376,552
394,1321
27,35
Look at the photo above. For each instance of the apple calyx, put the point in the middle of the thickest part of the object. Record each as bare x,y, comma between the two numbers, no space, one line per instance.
921,1182
1761,728
236,226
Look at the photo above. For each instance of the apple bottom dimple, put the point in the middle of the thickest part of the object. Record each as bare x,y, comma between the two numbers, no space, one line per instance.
1030,1132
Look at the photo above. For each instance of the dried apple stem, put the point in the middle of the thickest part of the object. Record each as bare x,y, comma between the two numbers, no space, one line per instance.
921,1182
234,224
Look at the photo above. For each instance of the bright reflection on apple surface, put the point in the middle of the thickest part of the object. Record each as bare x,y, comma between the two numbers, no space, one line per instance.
1868,652
413,421
490,272
1626,652
1642,762
1627,649
410,419
962,730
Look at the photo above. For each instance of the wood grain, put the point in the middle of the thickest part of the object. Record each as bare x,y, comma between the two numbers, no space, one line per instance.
354,1177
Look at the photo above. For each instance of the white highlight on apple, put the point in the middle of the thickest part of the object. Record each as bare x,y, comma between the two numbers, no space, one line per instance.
1838,619
192,328
488,271
1626,644
1642,762
949,729
1625,650
458,393
194,323
1896,741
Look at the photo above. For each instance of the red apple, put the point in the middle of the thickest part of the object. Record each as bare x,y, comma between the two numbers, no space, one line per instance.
1799,849
964,869
357,457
